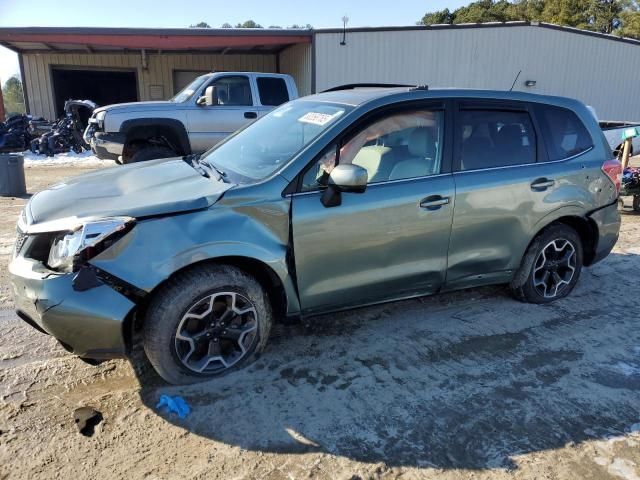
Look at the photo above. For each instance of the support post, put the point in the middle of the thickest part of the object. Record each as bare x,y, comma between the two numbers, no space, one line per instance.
2,112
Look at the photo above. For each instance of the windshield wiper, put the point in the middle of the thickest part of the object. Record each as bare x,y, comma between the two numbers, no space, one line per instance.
193,161
218,171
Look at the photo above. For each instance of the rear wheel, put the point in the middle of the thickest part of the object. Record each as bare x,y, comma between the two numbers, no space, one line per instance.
551,266
206,322
150,153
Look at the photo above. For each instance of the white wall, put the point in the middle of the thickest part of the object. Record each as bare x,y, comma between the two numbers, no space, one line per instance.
598,71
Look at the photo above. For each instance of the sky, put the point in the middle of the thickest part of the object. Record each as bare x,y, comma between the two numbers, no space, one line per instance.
182,13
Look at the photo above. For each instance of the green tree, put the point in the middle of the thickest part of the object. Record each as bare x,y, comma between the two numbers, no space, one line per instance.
249,24
438,17
482,11
605,15
572,13
13,96
226,25
629,25
200,25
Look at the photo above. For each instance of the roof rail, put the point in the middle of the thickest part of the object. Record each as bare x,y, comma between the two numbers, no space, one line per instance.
352,86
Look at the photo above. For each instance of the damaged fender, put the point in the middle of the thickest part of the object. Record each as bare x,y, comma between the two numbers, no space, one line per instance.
239,225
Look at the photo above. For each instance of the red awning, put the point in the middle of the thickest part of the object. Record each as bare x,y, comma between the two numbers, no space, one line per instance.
61,39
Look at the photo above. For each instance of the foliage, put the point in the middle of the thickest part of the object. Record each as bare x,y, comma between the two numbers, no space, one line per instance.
13,96
248,24
620,17
200,25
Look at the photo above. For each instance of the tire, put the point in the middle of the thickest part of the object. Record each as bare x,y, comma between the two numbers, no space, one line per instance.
188,295
150,153
528,282
636,203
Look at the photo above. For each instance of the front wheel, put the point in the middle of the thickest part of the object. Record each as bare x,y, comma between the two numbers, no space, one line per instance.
151,152
551,266
206,322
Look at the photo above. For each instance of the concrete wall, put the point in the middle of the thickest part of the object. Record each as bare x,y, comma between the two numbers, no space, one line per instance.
296,61
159,71
596,70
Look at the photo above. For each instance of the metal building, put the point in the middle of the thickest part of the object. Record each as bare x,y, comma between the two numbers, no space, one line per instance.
115,64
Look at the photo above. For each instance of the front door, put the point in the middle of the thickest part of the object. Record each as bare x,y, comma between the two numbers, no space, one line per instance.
390,241
209,125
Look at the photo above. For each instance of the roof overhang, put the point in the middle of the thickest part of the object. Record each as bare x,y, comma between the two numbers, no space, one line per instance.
74,40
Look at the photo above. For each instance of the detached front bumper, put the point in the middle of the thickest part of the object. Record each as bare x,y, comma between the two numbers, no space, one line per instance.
608,221
108,146
88,323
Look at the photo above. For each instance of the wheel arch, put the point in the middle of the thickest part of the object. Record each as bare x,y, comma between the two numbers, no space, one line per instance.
586,229
266,276
171,130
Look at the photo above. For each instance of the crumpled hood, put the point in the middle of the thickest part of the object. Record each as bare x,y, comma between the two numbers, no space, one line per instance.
139,190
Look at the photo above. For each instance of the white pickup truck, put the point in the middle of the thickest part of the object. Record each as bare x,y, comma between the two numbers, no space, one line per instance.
207,110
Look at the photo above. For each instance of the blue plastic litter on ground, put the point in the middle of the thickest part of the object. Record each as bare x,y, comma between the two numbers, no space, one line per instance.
175,404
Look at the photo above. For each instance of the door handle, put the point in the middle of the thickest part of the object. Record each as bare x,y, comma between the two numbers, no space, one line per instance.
434,202
250,115
541,184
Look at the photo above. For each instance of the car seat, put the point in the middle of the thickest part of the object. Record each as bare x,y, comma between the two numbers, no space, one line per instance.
423,156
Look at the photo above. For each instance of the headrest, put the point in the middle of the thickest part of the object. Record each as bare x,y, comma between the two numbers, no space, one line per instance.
510,136
421,143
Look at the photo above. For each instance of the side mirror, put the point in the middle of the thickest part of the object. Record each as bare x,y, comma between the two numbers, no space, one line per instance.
344,179
209,98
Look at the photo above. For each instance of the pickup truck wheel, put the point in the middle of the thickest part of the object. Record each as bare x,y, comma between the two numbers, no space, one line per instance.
551,266
206,322
150,153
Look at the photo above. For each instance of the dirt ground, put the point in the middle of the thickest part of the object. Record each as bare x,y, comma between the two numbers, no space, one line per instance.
465,385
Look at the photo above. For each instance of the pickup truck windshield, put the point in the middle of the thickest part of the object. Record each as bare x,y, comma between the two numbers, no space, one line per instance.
260,149
187,92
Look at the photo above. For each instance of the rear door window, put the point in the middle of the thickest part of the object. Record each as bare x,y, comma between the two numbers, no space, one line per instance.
272,91
564,133
495,138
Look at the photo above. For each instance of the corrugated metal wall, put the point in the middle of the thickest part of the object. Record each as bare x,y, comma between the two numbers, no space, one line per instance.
600,72
296,61
159,71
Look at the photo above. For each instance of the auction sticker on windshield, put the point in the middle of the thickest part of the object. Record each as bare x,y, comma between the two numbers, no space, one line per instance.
317,118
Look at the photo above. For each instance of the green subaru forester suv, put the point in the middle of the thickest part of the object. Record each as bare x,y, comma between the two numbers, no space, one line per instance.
337,200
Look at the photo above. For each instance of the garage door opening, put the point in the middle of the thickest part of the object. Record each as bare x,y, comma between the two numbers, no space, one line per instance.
104,87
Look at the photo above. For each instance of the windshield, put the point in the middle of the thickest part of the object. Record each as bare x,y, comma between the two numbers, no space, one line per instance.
271,142
187,92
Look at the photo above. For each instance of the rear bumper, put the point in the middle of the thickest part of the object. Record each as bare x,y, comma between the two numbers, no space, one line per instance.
608,221
89,324
108,146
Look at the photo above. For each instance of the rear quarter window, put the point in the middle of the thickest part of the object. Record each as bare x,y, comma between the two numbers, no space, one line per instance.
564,133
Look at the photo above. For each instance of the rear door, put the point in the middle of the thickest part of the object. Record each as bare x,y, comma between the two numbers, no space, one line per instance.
504,187
390,241
236,107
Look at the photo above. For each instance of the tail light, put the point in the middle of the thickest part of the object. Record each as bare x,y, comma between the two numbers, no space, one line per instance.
613,169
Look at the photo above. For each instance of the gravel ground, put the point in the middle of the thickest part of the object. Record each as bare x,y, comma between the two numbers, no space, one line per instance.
465,385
